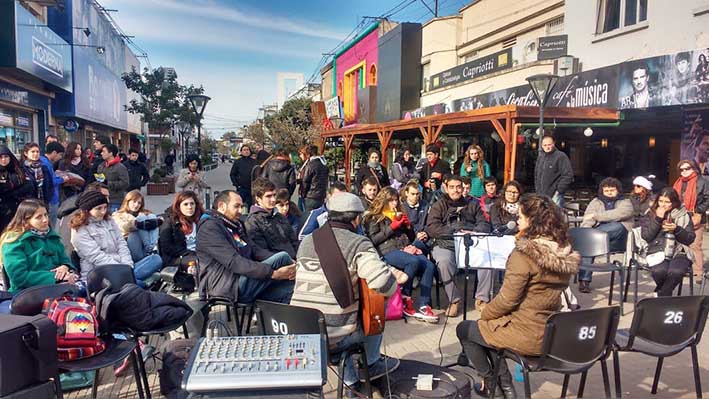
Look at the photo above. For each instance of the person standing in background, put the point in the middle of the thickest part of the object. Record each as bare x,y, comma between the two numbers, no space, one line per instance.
114,174
138,175
240,174
13,186
552,172
54,152
475,166
313,184
693,190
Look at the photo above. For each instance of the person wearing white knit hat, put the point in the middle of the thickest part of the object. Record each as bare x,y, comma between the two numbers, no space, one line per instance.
641,197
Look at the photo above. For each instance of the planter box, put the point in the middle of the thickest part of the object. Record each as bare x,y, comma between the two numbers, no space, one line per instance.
159,188
171,181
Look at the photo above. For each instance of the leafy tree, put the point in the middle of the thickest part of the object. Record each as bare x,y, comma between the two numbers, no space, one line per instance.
163,101
290,127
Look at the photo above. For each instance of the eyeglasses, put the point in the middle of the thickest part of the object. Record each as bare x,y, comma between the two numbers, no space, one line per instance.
686,168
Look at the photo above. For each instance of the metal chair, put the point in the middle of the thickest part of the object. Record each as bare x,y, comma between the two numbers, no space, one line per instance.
663,327
573,342
574,214
29,302
300,320
591,244
115,277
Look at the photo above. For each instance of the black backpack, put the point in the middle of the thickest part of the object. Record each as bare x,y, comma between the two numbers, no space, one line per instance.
174,360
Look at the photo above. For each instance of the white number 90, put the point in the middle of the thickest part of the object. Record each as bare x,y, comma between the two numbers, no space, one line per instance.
279,328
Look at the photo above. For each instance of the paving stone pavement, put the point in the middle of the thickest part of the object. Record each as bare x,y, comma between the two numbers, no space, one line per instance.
425,342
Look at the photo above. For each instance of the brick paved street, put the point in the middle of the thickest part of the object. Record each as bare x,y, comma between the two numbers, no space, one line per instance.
420,341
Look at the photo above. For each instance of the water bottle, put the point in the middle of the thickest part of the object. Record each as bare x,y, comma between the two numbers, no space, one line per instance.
519,377
669,245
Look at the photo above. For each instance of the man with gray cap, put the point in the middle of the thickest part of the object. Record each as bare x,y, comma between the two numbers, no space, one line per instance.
332,287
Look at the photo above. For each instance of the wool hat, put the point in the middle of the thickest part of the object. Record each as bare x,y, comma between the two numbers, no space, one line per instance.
642,181
433,148
91,199
345,202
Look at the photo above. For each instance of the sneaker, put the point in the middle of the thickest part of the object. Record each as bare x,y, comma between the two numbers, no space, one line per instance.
118,369
426,314
384,365
409,310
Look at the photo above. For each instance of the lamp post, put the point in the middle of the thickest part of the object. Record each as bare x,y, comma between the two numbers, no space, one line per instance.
199,103
542,85
183,128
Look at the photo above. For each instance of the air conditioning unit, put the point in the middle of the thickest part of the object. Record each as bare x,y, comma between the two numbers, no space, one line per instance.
566,65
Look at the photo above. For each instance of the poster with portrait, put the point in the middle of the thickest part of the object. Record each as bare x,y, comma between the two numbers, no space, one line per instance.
695,138
639,83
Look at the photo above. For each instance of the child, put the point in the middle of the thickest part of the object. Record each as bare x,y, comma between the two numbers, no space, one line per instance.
287,208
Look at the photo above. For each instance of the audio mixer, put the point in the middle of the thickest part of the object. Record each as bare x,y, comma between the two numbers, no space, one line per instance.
256,362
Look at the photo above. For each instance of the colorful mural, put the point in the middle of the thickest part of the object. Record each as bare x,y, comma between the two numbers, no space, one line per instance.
356,69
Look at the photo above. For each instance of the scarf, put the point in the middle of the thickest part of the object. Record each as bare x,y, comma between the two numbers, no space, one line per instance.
512,208
345,226
36,169
112,162
689,194
39,233
76,161
609,203
236,234
375,165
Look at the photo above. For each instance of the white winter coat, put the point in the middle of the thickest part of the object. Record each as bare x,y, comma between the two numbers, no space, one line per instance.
100,243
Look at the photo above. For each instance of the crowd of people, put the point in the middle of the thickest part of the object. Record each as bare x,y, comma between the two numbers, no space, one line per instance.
392,229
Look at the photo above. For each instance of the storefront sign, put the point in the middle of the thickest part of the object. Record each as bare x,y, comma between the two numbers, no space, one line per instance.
23,120
71,125
473,69
27,44
551,47
332,107
5,118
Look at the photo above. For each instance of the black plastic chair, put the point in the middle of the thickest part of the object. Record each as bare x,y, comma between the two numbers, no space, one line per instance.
663,327
117,276
573,342
592,244
29,301
300,320
573,213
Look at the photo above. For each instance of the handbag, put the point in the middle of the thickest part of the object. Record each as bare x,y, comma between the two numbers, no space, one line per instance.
395,305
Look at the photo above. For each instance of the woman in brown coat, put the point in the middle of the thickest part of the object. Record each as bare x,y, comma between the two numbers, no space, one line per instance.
537,272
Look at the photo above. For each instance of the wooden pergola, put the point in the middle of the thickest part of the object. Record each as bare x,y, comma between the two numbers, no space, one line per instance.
505,119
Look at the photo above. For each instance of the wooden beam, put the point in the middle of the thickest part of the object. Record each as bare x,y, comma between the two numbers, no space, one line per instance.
384,140
348,155
424,134
513,163
436,133
500,131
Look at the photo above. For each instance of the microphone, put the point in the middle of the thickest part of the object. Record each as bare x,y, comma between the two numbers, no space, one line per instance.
501,231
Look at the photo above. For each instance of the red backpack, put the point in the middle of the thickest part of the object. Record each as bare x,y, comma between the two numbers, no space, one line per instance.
77,327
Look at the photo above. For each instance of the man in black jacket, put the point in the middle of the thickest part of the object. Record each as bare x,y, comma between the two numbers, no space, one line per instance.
433,171
552,173
313,183
226,254
241,174
280,171
99,143
138,175
269,230
451,214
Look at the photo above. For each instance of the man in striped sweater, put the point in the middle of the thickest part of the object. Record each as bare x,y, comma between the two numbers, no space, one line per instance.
313,290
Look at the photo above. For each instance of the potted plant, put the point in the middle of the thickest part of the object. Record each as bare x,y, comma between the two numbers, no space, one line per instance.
157,185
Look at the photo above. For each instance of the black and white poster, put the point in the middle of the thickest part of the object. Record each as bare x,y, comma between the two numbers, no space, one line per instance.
695,138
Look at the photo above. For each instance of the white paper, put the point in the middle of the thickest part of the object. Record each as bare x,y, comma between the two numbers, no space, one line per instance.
486,253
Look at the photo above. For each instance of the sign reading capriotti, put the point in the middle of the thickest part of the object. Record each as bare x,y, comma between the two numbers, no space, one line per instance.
473,69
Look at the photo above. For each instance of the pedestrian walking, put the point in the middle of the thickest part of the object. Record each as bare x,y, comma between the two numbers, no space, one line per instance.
190,177
241,174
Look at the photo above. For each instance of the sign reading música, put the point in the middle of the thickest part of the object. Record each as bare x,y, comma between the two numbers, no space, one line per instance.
473,69
551,47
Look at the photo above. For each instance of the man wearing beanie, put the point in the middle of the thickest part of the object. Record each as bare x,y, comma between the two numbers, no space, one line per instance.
338,302
433,171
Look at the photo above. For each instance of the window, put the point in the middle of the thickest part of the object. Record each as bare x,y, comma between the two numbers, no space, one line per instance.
373,75
612,12
425,75
509,42
555,26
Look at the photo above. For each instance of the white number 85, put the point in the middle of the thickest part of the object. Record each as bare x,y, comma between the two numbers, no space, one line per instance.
587,333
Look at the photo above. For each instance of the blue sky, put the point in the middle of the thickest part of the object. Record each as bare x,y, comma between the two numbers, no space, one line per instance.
235,48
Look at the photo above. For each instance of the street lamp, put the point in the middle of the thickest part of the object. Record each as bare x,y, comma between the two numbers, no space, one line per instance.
199,103
542,85
184,128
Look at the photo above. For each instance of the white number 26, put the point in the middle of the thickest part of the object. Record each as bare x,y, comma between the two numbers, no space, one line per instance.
672,317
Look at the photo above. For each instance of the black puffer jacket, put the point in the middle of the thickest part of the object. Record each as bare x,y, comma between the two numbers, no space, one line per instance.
281,173
140,309
385,239
13,190
172,242
552,173
241,172
272,232
138,175
314,184
365,172
222,261
447,216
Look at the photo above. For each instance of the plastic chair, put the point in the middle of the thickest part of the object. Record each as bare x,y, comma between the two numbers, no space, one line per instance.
663,327
573,342
591,244
117,276
300,320
573,213
29,301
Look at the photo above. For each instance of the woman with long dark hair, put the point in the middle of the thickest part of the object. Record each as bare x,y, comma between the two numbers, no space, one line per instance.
391,233
668,231
36,173
13,186
537,272
403,169
75,162
693,191
178,234
191,177
373,168
475,166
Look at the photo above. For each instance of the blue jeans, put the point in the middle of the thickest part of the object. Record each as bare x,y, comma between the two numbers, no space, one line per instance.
146,267
5,306
617,240
245,194
372,345
280,291
414,265
142,242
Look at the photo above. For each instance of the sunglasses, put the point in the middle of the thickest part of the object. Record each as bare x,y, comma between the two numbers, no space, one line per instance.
686,168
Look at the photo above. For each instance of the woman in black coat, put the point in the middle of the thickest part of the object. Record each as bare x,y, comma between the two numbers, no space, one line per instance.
506,208
178,234
372,168
13,186
75,161
39,177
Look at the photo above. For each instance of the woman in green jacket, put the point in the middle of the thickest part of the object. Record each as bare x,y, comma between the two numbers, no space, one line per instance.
32,253
477,168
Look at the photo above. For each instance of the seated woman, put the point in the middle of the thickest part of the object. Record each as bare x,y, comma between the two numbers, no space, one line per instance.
178,235
287,208
138,225
537,272
503,211
668,260
391,233
32,253
98,240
